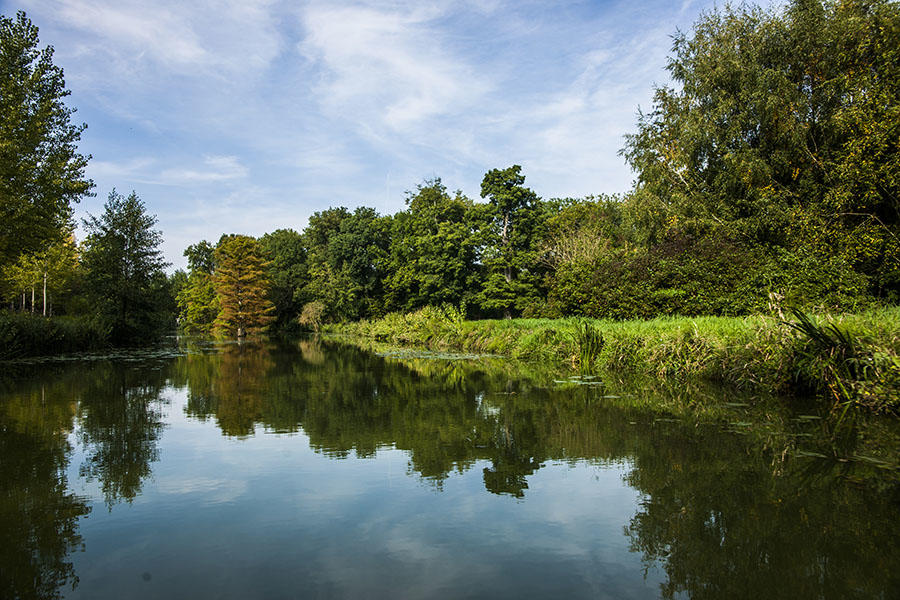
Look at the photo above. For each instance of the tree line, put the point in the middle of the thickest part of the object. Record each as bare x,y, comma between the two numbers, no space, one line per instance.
767,170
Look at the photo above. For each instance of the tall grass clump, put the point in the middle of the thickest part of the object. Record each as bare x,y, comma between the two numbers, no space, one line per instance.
831,359
589,342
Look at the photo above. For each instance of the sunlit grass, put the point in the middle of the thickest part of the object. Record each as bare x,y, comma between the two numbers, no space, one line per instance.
759,352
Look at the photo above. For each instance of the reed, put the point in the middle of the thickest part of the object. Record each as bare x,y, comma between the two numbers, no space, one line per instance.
590,343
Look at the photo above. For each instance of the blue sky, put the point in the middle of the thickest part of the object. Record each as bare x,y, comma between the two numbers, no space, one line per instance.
246,117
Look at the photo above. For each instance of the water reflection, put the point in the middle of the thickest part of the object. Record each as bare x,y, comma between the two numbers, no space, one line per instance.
118,416
722,513
120,419
38,515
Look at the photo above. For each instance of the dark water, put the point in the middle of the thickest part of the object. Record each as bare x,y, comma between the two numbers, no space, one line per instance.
308,470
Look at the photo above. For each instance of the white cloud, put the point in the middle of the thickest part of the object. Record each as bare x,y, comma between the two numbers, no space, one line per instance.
386,68
178,36
147,170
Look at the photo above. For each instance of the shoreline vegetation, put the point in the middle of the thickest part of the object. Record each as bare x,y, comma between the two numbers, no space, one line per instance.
26,335
847,360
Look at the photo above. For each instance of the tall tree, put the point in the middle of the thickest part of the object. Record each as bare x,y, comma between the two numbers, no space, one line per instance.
347,254
123,267
41,171
242,286
287,272
433,250
512,216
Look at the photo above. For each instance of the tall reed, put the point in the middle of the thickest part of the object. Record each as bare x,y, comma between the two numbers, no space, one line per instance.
589,341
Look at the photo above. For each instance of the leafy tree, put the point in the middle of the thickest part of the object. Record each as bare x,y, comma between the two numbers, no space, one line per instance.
56,265
512,218
41,172
433,250
123,266
287,273
242,285
347,254
197,301
198,304
201,257
781,132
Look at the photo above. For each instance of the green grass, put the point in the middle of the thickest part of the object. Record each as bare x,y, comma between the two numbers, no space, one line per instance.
771,353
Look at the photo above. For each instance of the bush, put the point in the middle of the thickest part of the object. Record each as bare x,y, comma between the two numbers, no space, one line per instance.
23,335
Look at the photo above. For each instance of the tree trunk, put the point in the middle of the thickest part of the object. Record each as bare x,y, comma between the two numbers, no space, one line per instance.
45,294
32,299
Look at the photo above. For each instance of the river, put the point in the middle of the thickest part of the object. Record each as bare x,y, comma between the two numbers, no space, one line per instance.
308,469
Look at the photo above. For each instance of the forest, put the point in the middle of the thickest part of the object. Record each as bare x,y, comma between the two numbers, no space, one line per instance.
766,171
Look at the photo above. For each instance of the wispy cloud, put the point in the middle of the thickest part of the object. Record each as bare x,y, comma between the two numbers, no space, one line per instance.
391,64
216,168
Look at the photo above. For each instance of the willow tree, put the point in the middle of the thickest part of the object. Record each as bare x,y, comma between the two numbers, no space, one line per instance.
242,284
780,130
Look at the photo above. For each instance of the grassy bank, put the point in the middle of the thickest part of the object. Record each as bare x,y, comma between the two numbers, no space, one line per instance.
24,335
845,359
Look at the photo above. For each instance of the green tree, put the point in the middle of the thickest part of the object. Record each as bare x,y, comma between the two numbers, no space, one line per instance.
512,217
56,265
201,257
198,303
780,132
41,171
347,255
242,286
433,250
287,273
123,268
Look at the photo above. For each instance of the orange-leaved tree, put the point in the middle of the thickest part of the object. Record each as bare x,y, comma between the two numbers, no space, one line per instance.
242,286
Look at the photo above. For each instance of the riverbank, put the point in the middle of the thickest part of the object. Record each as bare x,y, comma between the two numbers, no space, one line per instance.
842,358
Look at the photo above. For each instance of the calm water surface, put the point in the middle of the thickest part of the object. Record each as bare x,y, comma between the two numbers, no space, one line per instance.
310,470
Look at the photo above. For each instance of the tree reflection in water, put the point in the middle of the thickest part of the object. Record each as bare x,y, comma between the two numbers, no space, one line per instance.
118,412
38,515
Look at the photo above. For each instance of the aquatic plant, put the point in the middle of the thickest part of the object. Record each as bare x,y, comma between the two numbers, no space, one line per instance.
589,341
